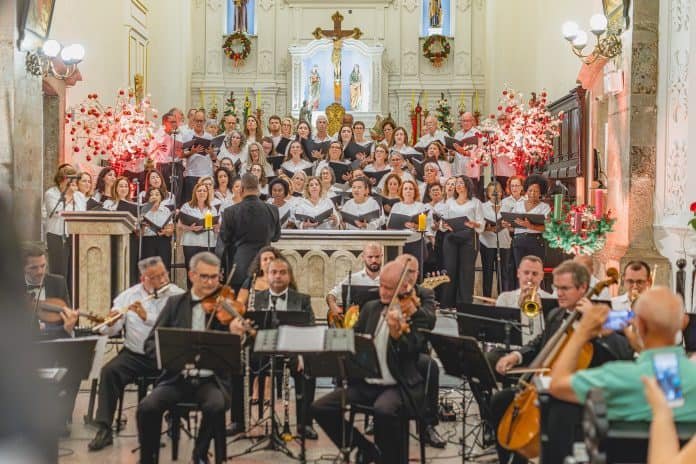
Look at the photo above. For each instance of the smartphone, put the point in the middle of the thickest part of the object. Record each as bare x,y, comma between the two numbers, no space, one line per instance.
618,319
666,367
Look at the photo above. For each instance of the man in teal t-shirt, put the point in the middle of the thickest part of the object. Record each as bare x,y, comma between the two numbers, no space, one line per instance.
658,319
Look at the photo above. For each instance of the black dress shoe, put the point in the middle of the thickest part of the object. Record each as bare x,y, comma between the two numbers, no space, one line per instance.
309,433
235,428
370,427
102,439
433,438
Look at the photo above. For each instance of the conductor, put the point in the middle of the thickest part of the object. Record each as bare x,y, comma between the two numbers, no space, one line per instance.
247,227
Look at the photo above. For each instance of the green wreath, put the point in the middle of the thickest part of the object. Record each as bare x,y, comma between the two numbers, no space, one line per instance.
436,58
232,44
590,239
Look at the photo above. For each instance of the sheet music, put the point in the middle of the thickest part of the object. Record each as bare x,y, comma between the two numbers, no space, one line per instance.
306,339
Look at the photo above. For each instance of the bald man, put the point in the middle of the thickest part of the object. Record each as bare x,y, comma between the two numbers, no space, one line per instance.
658,319
463,161
399,393
432,133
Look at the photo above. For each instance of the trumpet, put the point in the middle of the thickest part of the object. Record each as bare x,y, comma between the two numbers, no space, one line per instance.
530,305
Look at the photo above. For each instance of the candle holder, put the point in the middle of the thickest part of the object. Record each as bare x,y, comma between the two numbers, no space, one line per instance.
578,229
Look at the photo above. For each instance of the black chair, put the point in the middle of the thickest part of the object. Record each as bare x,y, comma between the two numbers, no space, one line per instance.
420,427
181,410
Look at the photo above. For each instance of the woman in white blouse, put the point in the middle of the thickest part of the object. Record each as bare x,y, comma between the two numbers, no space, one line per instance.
223,189
460,244
154,179
296,160
380,160
257,156
491,213
335,156
396,163
257,170
313,204
233,149
55,202
252,130
158,227
281,199
362,204
435,152
119,192
84,185
528,238
515,188
409,206
195,238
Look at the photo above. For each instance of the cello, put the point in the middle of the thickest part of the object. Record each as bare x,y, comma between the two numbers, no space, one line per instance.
519,429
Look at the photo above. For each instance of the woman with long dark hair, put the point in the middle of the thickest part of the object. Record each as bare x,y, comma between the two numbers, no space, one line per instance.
528,239
105,182
158,227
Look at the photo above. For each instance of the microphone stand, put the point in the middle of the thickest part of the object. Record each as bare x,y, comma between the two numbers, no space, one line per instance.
173,192
496,205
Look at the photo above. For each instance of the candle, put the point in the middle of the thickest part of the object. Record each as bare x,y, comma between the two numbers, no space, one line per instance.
476,101
208,220
599,203
258,99
425,99
413,101
577,222
422,222
557,206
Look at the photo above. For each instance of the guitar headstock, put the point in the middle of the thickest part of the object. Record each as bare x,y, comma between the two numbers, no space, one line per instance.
435,280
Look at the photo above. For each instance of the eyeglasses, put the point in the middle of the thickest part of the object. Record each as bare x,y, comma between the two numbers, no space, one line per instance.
638,283
207,276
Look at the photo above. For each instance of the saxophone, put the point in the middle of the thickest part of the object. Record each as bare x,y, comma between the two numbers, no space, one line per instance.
286,435
246,354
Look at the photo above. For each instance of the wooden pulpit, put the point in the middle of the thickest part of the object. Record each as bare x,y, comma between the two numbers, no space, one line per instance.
101,250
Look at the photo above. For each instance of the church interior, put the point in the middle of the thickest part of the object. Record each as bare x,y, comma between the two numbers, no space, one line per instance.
447,230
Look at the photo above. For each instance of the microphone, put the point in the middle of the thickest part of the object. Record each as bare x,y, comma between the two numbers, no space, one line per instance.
560,185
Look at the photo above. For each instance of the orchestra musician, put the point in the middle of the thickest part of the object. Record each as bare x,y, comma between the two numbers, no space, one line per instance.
636,279
281,296
399,393
142,305
208,389
571,281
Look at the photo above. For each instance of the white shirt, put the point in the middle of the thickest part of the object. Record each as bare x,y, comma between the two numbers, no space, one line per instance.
368,206
357,278
157,216
405,175
281,304
427,138
293,167
56,224
306,207
198,164
508,203
282,211
472,209
164,154
540,208
198,323
137,330
242,157
381,341
224,200
533,326
488,238
409,210
318,139
621,302
203,239
467,165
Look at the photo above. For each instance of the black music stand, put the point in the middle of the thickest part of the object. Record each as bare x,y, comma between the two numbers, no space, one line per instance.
492,324
268,322
185,349
462,357
337,360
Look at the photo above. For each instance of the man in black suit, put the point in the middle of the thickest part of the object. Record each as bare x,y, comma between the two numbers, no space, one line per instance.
399,393
571,281
247,227
208,389
281,296
41,285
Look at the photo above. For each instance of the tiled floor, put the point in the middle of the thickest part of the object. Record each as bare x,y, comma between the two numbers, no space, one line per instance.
74,449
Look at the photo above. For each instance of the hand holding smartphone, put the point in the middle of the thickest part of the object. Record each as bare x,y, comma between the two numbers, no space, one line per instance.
666,368
618,319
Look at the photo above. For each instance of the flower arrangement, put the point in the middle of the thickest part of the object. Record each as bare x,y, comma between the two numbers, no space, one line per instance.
237,47
436,49
578,229
692,222
118,134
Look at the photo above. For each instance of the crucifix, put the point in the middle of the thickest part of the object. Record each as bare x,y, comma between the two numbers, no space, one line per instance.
337,35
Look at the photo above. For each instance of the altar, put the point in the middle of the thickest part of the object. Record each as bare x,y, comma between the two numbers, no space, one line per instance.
322,258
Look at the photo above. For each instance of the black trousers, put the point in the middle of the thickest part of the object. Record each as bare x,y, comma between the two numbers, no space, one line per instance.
158,246
459,256
389,417
429,370
125,368
528,244
211,399
489,266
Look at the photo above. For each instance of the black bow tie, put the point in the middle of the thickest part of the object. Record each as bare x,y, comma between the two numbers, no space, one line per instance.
282,296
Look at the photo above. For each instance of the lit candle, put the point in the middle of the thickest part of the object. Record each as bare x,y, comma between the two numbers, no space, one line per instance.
577,222
557,206
599,203
208,220
476,101
422,222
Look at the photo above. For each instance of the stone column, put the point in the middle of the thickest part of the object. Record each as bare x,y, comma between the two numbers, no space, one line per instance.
635,121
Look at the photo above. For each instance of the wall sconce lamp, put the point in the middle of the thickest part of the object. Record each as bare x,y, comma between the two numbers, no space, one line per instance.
608,44
40,62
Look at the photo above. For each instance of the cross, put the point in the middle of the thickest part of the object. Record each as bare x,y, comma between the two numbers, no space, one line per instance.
337,35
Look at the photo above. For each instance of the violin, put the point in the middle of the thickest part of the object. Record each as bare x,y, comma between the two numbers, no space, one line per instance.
407,301
50,309
223,303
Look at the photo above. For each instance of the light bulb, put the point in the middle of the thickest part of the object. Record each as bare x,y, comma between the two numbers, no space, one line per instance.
580,40
51,48
78,53
598,24
67,54
569,29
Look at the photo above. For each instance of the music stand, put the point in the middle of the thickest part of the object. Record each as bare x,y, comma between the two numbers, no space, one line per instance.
492,324
462,357
185,349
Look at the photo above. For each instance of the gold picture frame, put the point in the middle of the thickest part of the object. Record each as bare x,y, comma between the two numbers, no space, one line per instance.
616,12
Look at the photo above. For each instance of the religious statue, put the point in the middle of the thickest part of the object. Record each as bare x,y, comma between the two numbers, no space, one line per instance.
138,87
355,88
306,113
336,60
240,15
435,13
314,88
